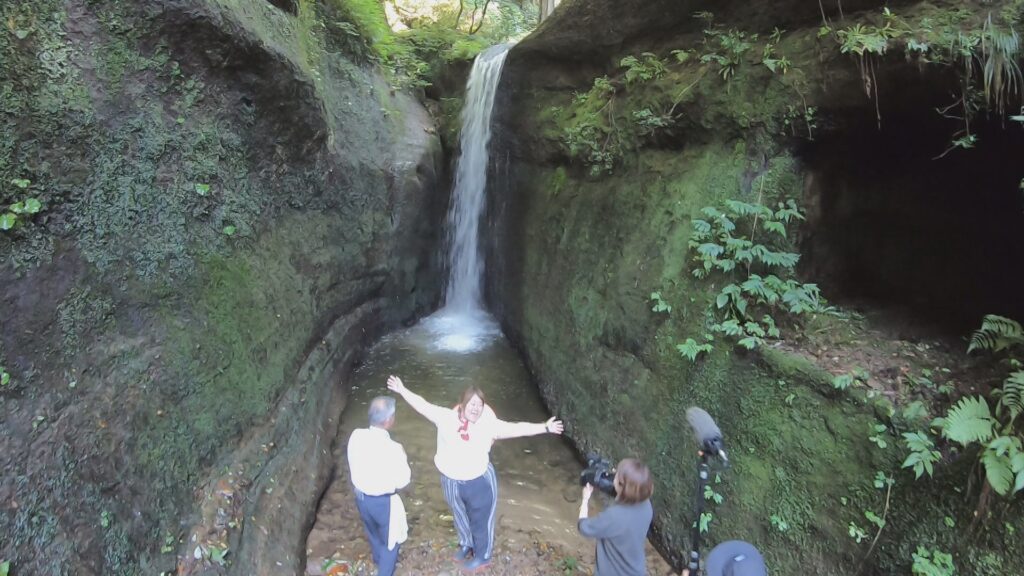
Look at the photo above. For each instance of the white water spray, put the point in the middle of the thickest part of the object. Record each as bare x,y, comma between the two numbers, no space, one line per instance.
463,324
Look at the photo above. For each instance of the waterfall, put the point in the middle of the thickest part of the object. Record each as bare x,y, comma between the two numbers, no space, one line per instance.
463,323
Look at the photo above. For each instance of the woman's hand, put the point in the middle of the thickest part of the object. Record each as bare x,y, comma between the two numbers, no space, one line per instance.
585,501
396,385
553,426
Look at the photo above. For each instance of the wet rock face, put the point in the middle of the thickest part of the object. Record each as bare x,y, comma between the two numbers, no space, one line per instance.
232,209
576,254
583,30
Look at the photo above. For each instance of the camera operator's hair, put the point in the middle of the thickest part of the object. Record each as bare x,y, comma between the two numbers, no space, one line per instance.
635,481
468,394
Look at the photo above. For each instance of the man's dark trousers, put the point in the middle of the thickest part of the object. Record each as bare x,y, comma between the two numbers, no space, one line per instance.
376,514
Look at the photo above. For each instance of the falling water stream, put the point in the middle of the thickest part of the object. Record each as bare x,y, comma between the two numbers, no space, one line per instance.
461,344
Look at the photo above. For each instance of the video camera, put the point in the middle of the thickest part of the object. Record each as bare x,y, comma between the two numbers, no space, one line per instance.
599,473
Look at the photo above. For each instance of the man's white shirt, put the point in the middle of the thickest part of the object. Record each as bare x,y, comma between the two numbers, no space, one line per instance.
377,464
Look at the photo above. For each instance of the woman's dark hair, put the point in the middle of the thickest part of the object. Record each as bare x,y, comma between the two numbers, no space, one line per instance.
467,395
633,481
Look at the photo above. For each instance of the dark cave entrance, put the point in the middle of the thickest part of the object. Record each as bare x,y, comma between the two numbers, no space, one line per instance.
938,241
289,6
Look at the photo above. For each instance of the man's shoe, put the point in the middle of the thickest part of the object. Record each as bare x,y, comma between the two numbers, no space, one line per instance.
476,564
464,553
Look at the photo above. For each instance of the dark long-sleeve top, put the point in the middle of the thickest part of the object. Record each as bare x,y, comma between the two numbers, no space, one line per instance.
620,531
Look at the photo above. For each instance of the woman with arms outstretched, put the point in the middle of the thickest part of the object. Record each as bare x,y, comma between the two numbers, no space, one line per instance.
465,434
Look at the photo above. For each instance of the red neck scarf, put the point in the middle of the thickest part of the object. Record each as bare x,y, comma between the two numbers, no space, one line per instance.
463,427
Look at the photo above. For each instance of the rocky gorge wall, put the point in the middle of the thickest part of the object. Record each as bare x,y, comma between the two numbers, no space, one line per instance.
234,203
580,243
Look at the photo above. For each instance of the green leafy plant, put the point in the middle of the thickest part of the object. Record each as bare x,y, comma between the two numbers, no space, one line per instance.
779,523
105,519
757,269
170,541
971,422
229,230
932,563
856,532
660,305
712,496
878,436
649,122
727,49
866,43
643,69
855,377
593,137
568,565
682,56
202,189
705,521
21,209
996,333
770,59
218,555
5,378
923,454
5,568
998,55
593,144
691,349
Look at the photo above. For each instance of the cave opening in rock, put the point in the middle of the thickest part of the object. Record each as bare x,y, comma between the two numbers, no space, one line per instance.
901,219
289,6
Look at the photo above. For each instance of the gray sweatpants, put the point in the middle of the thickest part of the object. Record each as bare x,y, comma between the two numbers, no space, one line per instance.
474,505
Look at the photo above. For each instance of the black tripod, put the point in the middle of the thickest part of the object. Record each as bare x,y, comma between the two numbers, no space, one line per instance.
711,447
698,512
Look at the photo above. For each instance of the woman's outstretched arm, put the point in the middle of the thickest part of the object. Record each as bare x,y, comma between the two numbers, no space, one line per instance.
520,429
431,412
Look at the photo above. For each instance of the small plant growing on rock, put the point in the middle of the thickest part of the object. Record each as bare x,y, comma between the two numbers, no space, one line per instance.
923,455
931,562
757,270
643,69
856,377
19,210
659,303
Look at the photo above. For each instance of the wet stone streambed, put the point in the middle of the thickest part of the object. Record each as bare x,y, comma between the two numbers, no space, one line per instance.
538,489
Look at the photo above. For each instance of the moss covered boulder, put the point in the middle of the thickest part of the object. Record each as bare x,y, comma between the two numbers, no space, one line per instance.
232,202
608,151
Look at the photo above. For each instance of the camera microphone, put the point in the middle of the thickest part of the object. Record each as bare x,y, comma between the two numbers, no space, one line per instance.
708,435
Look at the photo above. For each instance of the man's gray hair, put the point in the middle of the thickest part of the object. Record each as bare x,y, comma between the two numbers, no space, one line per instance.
382,408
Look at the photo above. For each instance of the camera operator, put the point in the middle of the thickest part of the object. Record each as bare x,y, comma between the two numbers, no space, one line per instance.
621,529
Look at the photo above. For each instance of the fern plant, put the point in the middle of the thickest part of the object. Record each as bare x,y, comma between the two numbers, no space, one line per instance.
923,454
643,69
996,333
756,268
971,422
728,49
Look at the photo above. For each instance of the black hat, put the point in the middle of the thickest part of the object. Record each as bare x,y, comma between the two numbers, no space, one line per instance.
735,558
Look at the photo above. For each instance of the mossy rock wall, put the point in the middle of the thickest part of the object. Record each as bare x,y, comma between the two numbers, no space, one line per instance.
574,260
234,204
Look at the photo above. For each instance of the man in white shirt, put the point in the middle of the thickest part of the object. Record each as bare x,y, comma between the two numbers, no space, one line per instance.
379,468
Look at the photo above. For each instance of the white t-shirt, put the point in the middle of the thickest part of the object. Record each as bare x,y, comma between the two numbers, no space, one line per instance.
464,447
376,463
